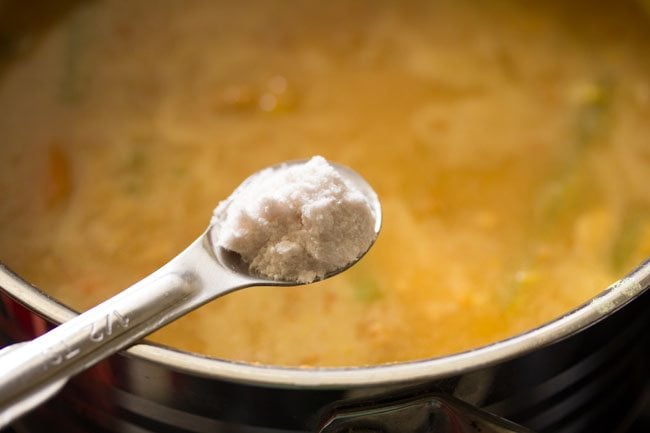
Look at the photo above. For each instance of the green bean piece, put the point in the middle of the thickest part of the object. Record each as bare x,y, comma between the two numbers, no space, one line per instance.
627,242
70,91
564,194
366,289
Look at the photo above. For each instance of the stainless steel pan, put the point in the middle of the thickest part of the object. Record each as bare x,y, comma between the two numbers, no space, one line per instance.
582,372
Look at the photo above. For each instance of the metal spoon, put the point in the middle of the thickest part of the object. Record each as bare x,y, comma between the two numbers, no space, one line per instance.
32,372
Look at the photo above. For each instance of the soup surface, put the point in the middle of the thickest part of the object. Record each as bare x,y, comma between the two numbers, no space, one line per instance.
509,143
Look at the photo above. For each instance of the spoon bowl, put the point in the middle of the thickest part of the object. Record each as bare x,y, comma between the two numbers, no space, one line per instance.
32,372
234,261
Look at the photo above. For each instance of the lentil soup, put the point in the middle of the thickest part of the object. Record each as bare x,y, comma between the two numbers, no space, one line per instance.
508,141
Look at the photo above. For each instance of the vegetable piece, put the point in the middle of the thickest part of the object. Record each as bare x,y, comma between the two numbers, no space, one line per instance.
629,237
563,194
591,130
595,100
645,5
134,166
366,289
59,176
70,86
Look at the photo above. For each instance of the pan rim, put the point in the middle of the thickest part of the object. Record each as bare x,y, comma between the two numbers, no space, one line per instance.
614,297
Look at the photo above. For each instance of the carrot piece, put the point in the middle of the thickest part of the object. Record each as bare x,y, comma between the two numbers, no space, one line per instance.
59,176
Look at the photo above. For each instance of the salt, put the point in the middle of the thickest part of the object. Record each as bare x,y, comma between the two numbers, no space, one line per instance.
297,222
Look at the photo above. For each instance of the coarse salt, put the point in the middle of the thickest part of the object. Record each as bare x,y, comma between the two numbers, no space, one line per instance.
296,222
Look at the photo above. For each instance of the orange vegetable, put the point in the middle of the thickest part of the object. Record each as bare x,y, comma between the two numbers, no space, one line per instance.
59,177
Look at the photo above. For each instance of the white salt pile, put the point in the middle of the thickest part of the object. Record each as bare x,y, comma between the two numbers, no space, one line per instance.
297,222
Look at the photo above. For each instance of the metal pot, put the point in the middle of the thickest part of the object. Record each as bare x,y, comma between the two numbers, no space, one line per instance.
582,372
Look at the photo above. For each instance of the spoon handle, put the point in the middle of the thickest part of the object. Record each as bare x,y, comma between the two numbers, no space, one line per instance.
33,371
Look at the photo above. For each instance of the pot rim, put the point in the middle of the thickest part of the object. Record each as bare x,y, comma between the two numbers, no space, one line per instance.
602,305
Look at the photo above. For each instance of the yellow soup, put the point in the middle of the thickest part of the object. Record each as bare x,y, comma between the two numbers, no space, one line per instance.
509,143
